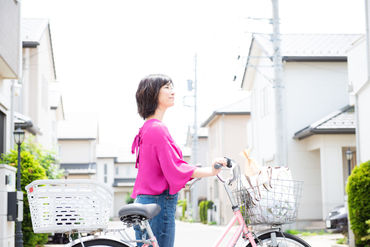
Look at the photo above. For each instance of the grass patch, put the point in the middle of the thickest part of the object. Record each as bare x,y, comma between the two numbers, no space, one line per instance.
342,241
306,233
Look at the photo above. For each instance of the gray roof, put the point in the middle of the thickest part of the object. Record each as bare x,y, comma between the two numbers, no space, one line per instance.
339,122
79,168
124,182
310,45
25,122
241,107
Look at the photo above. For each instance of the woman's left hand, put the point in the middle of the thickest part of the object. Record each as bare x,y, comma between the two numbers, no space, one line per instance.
221,161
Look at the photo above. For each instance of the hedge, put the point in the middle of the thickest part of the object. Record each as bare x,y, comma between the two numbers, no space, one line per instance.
358,190
203,210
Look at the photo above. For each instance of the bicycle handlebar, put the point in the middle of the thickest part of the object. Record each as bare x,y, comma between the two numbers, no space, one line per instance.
230,164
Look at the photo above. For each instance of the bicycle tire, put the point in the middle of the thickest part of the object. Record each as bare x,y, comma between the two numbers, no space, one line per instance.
285,239
101,243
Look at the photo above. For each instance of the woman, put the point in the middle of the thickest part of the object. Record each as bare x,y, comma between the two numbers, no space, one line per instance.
162,172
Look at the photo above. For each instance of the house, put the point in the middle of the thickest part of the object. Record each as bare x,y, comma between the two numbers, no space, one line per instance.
77,141
106,157
193,193
39,105
10,68
319,122
358,79
124,180
227,137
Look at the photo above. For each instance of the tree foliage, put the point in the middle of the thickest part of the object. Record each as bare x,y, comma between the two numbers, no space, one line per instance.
358,190
36,163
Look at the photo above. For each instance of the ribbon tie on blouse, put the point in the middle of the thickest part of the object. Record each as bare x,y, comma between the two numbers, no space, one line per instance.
135,148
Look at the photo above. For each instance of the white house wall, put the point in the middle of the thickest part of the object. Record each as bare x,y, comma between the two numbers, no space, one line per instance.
227,137
38,73
358,78
313,90
9,39
126,170
364,123
76,151
263,142
331,166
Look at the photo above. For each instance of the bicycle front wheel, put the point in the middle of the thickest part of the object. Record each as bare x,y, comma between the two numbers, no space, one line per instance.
281,240
101,243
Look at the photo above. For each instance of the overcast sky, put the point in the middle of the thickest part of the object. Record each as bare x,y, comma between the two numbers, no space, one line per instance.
103,48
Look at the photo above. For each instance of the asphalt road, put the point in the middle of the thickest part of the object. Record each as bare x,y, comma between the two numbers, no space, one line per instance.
197,234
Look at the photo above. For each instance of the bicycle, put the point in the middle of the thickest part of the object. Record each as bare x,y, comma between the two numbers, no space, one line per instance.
56,207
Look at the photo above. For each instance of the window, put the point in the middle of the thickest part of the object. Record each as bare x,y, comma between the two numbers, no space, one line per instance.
117,170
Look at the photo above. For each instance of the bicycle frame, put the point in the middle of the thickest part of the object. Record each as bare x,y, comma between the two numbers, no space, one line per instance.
242,228
237,215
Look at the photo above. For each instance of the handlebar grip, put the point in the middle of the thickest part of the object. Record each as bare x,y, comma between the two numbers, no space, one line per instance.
219,166
228,162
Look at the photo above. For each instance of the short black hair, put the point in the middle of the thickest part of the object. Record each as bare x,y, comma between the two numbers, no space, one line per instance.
147,93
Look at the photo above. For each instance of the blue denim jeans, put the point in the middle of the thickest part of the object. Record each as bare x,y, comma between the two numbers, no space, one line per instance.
163,225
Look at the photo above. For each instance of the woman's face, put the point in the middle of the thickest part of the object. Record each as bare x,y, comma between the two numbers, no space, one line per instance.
166,97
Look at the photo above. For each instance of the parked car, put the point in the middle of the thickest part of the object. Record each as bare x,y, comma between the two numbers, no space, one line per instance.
337,220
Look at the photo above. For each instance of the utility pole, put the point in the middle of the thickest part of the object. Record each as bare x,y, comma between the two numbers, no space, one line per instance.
194,156
278,88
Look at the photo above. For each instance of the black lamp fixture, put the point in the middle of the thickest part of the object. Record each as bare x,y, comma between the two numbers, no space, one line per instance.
349,156
19,138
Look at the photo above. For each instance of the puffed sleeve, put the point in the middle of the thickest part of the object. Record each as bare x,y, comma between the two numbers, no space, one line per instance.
176,171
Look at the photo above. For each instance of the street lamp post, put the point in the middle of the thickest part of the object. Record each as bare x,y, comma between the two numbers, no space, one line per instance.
19,138
349,156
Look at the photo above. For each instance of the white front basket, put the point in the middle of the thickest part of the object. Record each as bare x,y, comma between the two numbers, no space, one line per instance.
59,205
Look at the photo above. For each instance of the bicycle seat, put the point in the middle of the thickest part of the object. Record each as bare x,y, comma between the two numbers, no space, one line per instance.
132,213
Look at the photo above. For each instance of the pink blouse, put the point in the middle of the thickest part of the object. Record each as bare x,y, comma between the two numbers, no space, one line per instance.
159,161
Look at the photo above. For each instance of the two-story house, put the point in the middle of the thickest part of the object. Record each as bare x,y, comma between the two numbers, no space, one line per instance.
319,124
10,67
195,192
227,137
359,84
124,180
77,141
38,104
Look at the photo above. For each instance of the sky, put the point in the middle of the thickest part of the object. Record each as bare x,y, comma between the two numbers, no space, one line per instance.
103,48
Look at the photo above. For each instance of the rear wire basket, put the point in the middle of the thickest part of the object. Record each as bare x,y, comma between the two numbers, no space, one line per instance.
60,206
276,206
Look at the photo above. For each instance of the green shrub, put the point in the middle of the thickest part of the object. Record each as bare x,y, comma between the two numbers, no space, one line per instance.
45,157
358,190
129,199
342,241
203,210
31,170
183,205
367,237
